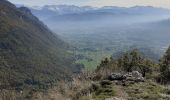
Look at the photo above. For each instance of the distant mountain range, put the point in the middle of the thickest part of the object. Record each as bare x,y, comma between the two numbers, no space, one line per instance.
71,9
70,17
54,10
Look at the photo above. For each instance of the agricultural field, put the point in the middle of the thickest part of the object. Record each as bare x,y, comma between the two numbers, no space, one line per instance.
91,59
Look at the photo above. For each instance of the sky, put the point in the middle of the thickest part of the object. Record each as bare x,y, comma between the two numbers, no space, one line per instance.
96,3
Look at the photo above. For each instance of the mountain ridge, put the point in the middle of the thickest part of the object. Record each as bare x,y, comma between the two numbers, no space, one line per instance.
78,9
30,53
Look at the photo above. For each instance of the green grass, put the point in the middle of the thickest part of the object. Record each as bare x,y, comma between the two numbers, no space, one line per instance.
104,92
96,58
146,91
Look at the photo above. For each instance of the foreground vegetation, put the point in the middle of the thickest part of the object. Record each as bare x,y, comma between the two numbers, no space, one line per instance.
97,86
155,86
156,76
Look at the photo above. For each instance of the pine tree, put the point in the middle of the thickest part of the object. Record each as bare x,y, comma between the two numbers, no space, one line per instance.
145,66
165,67
135,58
126,62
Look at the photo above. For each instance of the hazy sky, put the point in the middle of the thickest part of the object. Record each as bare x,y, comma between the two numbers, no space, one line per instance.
96,3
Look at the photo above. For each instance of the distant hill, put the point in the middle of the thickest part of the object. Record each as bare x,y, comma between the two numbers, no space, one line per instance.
29,52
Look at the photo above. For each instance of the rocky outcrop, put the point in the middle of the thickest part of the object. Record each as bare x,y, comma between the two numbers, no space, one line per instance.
131,77
134,76
116,76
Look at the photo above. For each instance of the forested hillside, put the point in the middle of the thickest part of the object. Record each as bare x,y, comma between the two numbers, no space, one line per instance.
29,52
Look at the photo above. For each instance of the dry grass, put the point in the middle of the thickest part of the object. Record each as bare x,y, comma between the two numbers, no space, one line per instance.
64,90
10,95
79,87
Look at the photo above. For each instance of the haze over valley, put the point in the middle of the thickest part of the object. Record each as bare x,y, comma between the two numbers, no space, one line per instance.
108,30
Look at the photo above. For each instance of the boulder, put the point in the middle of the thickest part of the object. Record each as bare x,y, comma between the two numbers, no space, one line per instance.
133,76
116,76
136,74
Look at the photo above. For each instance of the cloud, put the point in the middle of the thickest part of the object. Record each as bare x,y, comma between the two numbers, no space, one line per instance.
98,3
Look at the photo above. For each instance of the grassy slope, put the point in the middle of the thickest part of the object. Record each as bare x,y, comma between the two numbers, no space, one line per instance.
144,91
80,90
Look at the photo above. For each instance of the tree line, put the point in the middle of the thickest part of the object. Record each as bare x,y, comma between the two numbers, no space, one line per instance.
135,60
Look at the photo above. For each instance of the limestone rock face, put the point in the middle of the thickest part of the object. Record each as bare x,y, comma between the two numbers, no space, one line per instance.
116,76
133,76
136,74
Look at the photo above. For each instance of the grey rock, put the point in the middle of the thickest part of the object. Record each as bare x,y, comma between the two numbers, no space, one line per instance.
116,76
136,74
133,76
